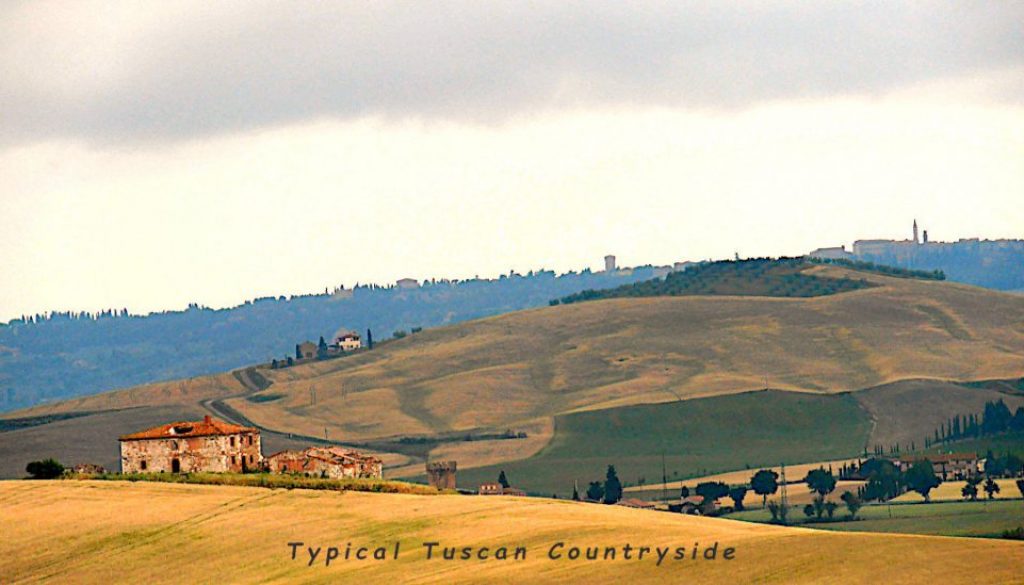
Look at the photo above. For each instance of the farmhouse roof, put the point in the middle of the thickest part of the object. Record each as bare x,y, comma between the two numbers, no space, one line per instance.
941,457
205,428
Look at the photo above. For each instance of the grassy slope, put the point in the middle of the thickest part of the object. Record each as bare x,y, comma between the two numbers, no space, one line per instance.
932,402
522,368
161,533
947,518
698,437
496,372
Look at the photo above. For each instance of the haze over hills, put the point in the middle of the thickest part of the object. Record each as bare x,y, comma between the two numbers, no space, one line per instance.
420,396
46,358
62,355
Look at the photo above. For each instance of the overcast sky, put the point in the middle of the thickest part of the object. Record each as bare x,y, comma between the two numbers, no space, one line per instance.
153,154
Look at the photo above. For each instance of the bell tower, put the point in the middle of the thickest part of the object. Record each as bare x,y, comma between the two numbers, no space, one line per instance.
915,232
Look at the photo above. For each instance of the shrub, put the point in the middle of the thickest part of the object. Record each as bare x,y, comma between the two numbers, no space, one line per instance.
45,469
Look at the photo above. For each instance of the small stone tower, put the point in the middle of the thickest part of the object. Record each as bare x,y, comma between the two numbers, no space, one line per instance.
915,232
441,474
609,263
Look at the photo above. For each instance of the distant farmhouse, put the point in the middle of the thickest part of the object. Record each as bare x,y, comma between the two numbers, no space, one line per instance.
306,350
947,466
496,489
181,447
211,445
347,341
328,462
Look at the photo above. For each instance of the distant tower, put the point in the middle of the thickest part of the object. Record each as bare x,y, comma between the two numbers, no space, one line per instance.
915,231
609,263
441,474
924,237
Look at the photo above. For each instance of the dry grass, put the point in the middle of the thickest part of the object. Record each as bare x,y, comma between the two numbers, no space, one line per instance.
950,490
503,372
932,402
103,532
496,372
742,476
265,480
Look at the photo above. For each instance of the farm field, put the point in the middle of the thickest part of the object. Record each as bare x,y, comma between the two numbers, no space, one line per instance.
946,518
950,490
742,476
103,532
697,437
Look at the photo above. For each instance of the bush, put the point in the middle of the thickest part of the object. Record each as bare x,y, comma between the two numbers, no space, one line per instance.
45,469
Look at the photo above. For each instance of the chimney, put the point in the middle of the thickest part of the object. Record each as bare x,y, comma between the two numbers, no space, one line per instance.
207,419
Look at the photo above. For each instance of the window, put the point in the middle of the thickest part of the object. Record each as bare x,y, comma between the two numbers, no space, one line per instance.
142,465
250,459
232,441
250,439
232,460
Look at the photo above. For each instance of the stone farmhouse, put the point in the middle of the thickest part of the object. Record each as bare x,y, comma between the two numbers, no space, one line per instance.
946,465
496,489
328,462
347,341
180,447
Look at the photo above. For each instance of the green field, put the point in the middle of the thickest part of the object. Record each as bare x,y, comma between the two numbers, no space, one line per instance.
697,437
981,518
998,444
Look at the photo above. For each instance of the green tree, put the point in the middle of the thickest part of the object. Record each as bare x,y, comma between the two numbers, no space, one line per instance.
883,480
821,483
765,483
809,510
684,492
1020,486
709,491
853,503
921,478
830,509
970,490
737,494
502,479
369,339
595,491
45,469
321,348
991,488
612,486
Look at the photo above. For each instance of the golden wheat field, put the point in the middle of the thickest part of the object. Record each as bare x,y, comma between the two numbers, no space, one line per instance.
105,532
517,368
497,372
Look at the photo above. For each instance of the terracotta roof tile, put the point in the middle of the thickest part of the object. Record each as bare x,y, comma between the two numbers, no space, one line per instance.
207,427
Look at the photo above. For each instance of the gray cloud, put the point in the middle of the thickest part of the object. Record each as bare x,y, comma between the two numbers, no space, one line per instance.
200,69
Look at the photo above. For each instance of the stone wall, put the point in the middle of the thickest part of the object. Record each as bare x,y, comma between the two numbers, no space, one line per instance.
217,453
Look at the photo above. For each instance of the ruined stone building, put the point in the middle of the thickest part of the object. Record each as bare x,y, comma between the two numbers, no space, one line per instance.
441,474
330,462
206,445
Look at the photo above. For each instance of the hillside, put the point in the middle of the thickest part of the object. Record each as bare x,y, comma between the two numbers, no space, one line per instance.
496,373
76,531
517,371
761,277
67,354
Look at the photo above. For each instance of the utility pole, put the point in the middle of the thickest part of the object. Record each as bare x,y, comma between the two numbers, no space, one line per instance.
664,479
785,497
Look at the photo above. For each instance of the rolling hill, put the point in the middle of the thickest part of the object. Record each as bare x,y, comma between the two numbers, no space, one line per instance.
79,531
424,395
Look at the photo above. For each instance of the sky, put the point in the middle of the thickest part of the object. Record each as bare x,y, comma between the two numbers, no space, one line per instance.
160,153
